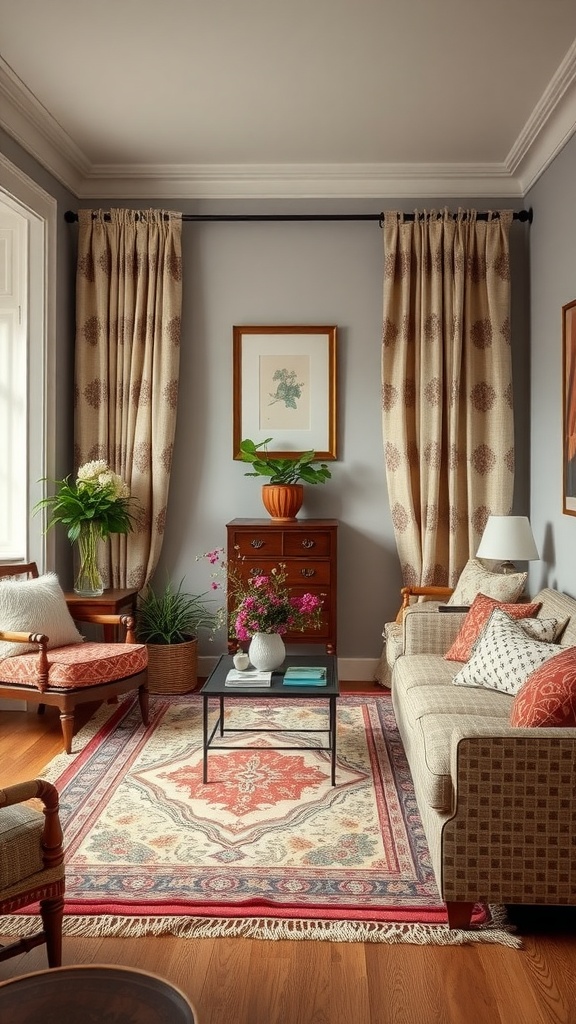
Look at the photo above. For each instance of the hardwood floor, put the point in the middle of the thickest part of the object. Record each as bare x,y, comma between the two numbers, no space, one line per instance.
250,981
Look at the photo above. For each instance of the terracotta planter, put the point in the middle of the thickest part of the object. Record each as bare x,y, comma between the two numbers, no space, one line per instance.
282,501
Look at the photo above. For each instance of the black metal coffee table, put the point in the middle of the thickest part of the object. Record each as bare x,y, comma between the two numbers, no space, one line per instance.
215,687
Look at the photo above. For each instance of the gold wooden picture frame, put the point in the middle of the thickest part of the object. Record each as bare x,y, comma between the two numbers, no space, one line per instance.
569,408
285,388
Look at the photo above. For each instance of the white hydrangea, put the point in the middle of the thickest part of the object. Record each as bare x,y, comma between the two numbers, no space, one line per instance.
98,473
90,471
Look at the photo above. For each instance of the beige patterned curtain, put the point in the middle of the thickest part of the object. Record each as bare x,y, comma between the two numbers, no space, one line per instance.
446,386
128,312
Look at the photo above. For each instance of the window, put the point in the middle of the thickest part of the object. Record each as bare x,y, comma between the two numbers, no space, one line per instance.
27,361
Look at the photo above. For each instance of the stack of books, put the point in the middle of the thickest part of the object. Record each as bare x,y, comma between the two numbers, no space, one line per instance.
304,675
248,677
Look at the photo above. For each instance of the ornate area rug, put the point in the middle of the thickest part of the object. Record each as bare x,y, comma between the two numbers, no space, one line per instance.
267,848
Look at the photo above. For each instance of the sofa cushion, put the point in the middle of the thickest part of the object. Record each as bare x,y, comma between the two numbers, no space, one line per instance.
475,578
35,606
476,619
548,697
503,656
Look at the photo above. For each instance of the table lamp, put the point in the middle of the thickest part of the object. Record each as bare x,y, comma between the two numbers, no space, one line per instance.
506,538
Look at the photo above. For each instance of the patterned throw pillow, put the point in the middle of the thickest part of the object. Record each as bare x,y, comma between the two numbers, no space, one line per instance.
476,579
548,697
35,606
503,656
476,619
546,630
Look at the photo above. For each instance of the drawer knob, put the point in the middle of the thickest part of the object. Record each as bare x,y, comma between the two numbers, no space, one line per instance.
308,572
256,543
306,543
256,572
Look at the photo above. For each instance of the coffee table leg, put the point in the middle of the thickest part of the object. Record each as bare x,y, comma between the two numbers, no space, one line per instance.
204,739
333,736
221,716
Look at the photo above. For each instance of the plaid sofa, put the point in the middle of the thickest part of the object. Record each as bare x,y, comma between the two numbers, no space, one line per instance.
498,804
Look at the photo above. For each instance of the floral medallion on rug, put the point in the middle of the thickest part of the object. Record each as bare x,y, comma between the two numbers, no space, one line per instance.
267,847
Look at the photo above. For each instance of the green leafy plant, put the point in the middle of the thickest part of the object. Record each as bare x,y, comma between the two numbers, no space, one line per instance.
98,496
282,471
172,616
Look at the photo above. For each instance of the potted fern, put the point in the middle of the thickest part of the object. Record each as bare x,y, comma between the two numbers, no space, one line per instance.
283,495
168,621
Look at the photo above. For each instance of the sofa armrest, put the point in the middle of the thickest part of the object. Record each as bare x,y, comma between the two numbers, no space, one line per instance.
513,823
428,631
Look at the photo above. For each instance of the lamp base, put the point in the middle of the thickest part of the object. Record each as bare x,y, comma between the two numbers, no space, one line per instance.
507,568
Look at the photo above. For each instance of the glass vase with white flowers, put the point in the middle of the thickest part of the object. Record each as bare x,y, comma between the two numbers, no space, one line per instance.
91,507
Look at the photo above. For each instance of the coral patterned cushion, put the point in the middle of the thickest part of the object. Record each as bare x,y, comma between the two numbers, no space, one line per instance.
548,696
477,618
70,668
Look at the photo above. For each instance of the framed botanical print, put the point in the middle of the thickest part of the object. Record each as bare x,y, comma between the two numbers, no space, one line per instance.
285,388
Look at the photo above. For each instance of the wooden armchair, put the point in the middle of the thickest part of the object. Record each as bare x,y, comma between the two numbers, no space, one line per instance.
32,865
58,672
434,593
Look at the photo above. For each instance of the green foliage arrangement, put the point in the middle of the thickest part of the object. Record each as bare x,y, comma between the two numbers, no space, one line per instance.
172,616
282,471
98,496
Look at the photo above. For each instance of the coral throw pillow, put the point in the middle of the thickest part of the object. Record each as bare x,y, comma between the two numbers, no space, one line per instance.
548,696
477,618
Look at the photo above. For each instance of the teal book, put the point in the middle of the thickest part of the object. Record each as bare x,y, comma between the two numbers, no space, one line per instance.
302,675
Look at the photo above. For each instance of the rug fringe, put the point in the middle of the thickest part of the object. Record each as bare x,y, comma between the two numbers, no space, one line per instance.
106,926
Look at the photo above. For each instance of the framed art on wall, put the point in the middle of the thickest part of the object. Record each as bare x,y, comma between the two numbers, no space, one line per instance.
285,388
569,407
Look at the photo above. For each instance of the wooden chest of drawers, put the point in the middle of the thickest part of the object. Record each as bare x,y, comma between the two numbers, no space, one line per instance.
308,550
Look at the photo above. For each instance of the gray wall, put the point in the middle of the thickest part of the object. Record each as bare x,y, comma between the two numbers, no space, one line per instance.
293,273
552,285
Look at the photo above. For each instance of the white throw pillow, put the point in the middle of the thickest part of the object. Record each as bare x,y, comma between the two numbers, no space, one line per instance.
503,656
35,606
476,579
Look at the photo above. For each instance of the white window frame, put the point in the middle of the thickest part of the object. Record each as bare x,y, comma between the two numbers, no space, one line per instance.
39,208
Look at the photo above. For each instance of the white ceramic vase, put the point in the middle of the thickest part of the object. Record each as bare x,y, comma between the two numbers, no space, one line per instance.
266,651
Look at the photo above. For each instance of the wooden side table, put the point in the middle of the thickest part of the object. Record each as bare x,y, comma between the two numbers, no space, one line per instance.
111,602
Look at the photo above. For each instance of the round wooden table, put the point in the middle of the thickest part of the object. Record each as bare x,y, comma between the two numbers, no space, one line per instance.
93,994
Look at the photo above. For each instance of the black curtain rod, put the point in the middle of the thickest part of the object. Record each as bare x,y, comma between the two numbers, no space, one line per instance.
521,215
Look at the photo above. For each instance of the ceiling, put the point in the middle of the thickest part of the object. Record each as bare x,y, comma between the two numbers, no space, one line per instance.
290,98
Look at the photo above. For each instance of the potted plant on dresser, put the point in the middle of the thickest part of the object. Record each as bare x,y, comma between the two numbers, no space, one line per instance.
283,495
168,622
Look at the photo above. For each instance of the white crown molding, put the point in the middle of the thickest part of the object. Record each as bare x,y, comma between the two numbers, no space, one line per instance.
299,181
550,126
27,121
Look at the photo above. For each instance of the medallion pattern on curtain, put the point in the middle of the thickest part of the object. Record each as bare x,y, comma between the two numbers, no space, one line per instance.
446,386
128,321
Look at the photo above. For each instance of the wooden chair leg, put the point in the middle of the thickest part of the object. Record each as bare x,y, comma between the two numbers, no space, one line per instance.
52,912
67,723
144,703
459,914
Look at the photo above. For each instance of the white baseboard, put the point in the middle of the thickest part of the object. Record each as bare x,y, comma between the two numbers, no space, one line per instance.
356,670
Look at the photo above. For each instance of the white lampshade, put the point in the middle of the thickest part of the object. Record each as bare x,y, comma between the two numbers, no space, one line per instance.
508,538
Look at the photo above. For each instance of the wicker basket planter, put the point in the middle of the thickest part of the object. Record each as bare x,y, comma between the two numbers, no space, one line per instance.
173,668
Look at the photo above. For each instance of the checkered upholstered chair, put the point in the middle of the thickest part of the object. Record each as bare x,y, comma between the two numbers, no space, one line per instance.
57,666
32,864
